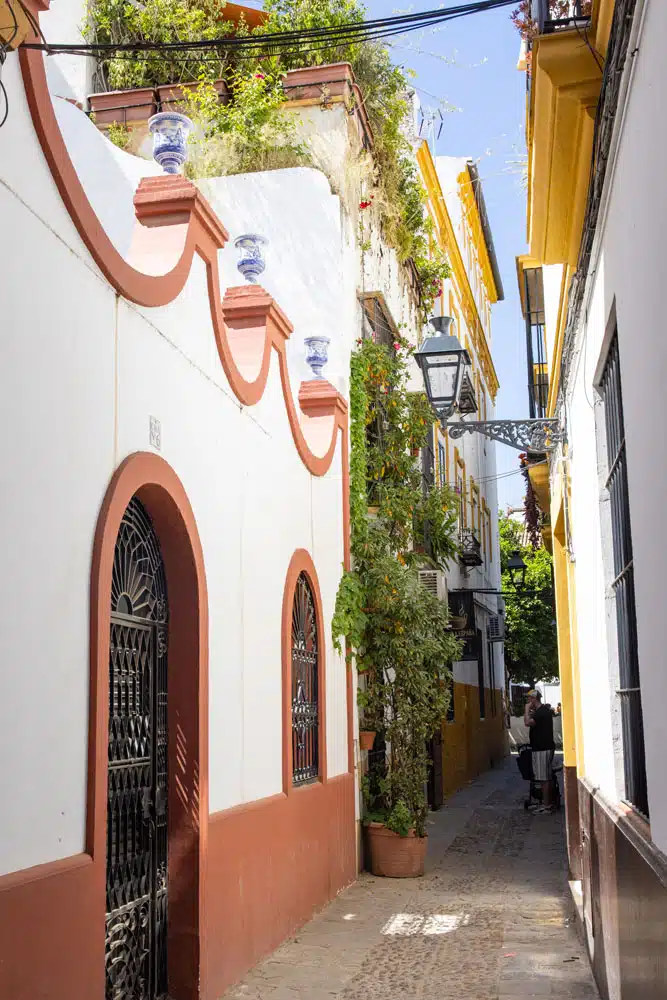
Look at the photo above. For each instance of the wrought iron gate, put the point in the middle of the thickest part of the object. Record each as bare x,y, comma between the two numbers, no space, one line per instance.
136,917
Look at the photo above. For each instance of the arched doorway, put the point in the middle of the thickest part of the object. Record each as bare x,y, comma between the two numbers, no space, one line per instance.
138,781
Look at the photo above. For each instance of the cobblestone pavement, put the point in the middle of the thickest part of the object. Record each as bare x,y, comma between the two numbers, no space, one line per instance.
490,920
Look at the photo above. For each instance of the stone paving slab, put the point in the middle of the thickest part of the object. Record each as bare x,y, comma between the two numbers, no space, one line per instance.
490,920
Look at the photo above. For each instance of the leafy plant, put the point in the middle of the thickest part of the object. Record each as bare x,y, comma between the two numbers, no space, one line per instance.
251,132
113,22
397,630
119,134
400,199
527,26
531,644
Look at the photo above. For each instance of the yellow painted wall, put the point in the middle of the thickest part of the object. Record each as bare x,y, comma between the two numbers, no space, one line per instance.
471,745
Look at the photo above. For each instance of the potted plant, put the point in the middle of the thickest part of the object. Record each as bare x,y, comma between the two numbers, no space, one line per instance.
395,628
366,738
410,693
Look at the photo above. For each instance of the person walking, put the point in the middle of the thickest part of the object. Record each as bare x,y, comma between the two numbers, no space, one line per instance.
539,721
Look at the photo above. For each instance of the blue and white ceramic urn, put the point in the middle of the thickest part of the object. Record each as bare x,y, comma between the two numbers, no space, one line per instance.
317,354
170,133
251,261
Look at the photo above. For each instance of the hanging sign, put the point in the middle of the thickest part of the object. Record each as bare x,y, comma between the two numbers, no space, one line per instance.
462,620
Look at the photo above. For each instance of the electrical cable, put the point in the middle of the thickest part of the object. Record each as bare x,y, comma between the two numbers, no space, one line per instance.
280,42
4,49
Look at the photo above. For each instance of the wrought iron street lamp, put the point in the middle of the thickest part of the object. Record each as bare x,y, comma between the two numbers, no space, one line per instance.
516,568
443,363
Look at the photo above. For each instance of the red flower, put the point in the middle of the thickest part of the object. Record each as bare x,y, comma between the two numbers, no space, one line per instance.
260,76
397,346
364,204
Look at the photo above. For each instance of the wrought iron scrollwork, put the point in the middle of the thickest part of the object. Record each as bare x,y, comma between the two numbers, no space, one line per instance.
136,917
524,435
305,685
470,549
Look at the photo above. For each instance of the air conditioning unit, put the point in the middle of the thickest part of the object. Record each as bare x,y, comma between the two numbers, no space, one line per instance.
434,581
495,629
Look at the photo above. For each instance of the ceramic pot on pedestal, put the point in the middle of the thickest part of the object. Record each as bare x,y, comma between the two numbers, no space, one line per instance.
251,261
170,132
317,354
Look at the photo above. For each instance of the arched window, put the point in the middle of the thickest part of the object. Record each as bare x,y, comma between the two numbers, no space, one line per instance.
305,685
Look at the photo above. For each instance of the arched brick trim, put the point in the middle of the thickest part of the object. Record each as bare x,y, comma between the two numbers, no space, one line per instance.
175,222
301,562
153,481
52,915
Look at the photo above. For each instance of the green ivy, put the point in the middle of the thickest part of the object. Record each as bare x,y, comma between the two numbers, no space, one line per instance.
401,198
123,22
396,629
249,133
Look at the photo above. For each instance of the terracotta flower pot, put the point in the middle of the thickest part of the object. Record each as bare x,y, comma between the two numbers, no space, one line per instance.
171,94
366,739
332,80
394,856
124,106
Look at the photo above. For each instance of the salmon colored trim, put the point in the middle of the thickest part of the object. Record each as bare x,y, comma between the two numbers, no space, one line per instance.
175,222
301,562
271,865
157,486
37,873
52,915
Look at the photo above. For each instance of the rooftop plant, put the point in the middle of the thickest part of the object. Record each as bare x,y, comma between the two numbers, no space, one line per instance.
396,629
253,132
115,22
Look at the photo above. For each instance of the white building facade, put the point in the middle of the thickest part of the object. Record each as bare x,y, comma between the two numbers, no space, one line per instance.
607,362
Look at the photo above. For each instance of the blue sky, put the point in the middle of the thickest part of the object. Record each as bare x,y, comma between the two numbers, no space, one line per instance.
474,70
470,65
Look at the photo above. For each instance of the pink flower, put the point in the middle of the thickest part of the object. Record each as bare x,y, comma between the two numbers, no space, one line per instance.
260,76
397,346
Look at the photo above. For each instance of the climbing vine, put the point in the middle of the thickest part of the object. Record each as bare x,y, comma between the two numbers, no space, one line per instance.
395,628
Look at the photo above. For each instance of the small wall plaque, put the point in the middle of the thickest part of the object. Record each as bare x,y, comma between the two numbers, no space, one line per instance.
155,433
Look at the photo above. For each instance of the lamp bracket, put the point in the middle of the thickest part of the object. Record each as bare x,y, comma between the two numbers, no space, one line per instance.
524,435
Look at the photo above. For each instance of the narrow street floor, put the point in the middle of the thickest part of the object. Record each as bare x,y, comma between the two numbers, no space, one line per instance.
490,920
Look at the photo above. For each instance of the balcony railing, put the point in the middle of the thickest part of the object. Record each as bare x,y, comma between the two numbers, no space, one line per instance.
470,548
554,15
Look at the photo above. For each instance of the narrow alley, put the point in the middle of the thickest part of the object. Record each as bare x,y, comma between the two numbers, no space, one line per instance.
490,920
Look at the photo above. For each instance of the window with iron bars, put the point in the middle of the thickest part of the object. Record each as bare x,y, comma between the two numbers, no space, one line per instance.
632,723
305,685
377,325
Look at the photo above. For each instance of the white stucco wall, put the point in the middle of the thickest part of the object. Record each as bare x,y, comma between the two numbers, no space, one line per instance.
632,273
82,371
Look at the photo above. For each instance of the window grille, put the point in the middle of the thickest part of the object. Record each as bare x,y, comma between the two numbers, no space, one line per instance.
442,463
451,711
623,584
377,324
305,685
480,676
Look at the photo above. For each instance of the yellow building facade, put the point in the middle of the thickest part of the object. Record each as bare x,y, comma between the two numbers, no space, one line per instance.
474,736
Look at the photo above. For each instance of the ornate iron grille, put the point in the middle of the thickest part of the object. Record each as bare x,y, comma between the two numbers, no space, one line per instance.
305,685
136,917
470,548
623,585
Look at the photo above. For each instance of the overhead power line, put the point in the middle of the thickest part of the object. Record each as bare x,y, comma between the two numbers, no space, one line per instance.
284,41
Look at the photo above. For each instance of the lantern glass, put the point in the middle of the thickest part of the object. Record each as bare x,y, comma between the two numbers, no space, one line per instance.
517,570
442,361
